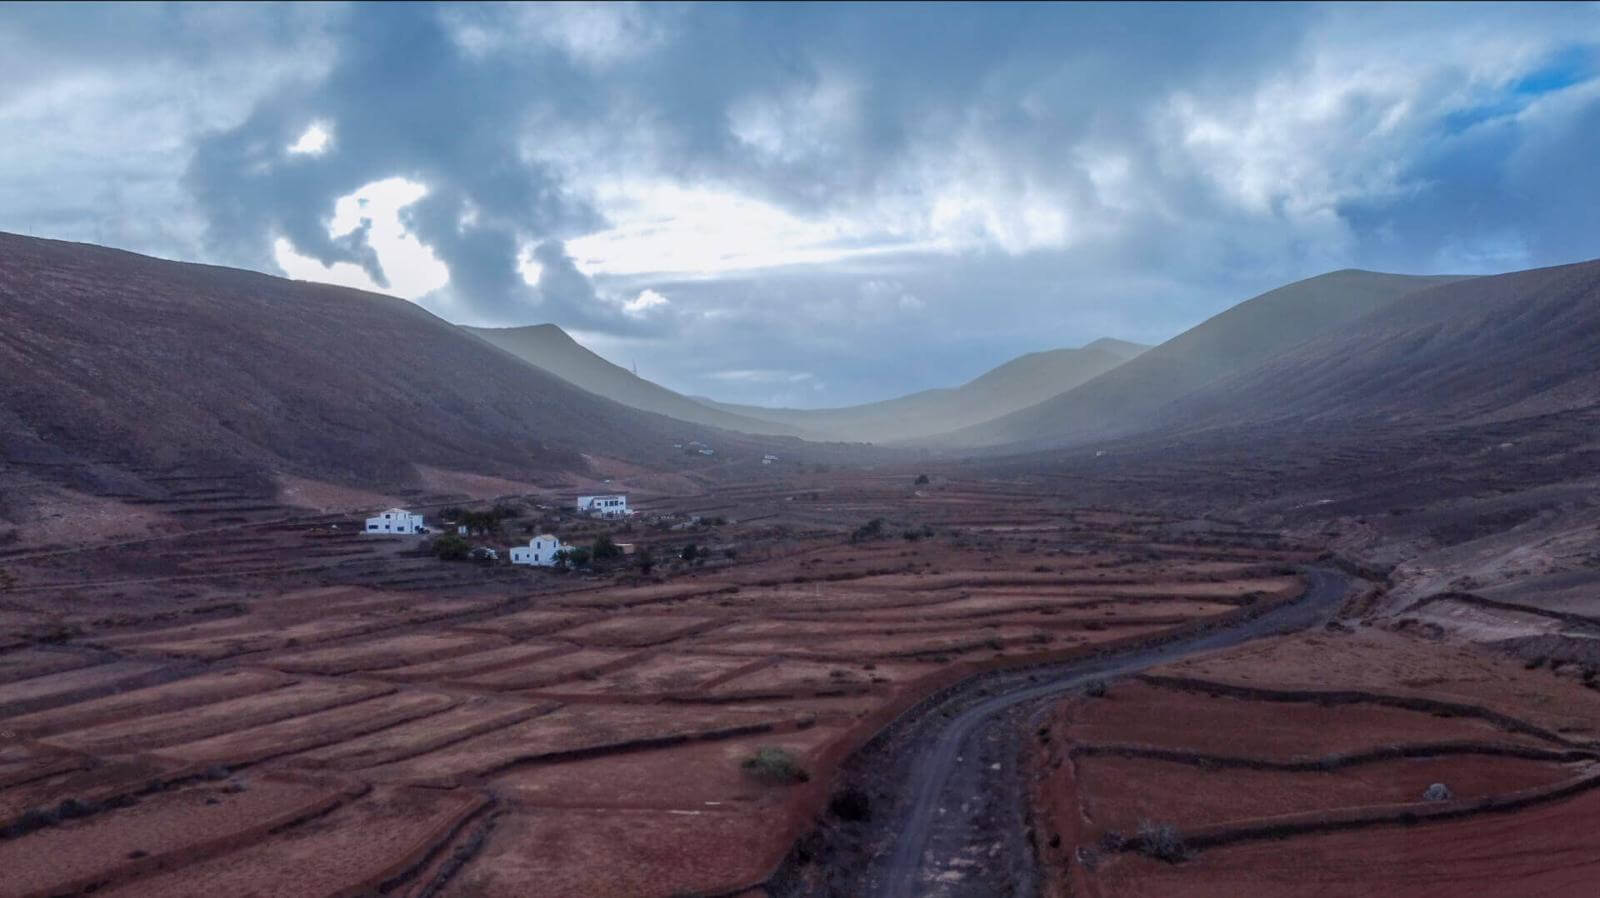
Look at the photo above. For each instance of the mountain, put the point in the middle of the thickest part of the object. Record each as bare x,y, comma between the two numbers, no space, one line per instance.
1488,350
122,368
550,348
1123,400
1017,384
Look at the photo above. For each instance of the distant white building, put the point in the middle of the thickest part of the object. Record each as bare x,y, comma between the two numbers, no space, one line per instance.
708,452
604,506
541,550
396,520
768,459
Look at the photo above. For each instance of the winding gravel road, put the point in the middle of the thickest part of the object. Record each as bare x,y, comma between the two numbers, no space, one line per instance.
958,826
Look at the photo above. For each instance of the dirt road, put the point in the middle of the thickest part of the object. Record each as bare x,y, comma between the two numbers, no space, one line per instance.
952,819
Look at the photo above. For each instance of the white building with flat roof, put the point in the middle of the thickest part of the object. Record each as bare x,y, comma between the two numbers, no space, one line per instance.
396,520
613,506
541,551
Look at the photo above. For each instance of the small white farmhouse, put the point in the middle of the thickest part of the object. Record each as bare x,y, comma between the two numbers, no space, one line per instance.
604,506
540,550
396,520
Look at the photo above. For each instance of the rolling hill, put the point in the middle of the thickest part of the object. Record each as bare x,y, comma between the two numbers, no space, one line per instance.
1123,400
1016,384
549,347
121,368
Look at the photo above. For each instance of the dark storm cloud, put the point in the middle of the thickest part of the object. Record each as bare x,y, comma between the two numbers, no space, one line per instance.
403,103
820,203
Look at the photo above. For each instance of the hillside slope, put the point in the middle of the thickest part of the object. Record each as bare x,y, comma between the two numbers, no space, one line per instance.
550,348
1019,383
120,367
1486,350
1246,335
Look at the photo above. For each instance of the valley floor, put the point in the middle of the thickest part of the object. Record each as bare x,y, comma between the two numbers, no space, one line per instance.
294,708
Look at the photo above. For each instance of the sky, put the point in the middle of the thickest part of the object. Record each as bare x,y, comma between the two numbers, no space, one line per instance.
810,205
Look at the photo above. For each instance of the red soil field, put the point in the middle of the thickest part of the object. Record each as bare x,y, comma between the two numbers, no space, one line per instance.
520,732
1117,793
1328,740
1546,850
656,780
83,852
609,853
356,848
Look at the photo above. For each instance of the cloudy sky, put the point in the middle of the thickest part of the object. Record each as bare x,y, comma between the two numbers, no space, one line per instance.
810,205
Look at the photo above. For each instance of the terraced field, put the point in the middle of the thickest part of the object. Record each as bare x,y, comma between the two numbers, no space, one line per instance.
524,732
1303,766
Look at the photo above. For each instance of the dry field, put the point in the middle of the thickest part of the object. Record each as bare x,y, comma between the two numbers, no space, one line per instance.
201,717
1298,766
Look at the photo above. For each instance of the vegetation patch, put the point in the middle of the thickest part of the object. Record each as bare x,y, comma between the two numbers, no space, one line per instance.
1161,841
775,766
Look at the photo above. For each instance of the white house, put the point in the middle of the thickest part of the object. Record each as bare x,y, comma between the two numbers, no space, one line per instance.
604,506
396,520
540,550
768,459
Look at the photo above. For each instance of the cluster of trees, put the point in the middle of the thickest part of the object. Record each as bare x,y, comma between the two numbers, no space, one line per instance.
454,547
604,548
476,521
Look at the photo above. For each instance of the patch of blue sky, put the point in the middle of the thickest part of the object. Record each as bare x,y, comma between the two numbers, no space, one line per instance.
1569,66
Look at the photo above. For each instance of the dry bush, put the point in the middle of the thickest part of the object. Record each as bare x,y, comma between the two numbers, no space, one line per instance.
775,766
1161,841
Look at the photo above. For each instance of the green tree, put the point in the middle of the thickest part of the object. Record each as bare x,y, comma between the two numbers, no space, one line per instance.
605,548
451,547
573,556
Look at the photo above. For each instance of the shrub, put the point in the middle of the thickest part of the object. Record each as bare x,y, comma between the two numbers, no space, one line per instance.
851,804
775,766
647,559
1437,792
451,547
1161,841
32,819
870,530
56,634
690,552
1095,688
922,479
72,808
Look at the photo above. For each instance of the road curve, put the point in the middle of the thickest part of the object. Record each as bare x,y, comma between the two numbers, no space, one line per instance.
901,874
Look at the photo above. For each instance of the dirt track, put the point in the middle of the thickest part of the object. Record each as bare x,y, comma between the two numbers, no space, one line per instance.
957,823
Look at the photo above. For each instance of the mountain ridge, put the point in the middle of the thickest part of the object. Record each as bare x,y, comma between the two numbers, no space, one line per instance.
1240,337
